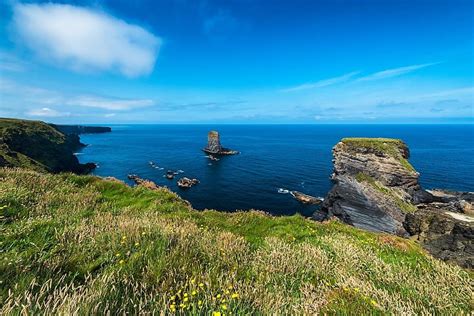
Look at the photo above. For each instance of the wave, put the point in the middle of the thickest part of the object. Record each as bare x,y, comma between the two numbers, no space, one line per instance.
283,191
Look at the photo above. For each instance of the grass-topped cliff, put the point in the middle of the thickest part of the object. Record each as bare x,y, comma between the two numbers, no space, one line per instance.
38,146
79,244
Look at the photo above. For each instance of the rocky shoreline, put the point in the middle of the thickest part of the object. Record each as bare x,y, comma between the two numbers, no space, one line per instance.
376,188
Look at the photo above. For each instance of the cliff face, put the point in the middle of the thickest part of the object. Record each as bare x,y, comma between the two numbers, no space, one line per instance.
375,185
376,188
38,146
79,129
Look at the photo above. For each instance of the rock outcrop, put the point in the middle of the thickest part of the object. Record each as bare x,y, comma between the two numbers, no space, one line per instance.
374,185
214,146
376,188
80,129
186,183
305,198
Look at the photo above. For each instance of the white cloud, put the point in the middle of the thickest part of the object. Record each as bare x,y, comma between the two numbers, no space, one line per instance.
47,112
389,73
109,103
83,39
322,83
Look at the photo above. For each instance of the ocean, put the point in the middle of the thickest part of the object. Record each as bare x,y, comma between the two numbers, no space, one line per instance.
272,159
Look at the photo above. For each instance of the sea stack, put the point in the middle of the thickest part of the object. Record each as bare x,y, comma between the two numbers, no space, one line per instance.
214,146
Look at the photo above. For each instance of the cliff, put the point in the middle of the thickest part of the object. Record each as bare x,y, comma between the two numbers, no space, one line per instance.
376,188
214,146
375,185
38,146
80,129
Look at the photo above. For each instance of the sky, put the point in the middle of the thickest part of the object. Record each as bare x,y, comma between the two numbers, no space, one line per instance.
238,61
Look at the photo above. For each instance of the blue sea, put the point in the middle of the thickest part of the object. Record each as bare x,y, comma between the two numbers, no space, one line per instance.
273,157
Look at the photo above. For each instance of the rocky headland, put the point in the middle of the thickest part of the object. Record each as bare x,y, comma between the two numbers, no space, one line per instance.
40,146
376,188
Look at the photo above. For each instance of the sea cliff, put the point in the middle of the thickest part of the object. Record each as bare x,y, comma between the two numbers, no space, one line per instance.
40,146
376,188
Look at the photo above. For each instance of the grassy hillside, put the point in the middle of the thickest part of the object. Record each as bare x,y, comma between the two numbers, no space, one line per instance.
80,244
38,146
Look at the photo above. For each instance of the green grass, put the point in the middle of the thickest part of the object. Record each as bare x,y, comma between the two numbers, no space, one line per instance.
394,148
83,245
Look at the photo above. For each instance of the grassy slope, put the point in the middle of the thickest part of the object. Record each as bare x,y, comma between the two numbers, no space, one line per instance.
79,244
36,145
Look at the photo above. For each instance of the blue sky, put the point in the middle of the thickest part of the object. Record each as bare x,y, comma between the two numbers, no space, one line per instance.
242,61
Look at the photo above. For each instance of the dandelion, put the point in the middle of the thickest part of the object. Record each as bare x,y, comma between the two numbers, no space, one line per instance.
224,307
185,294
374,303
201,284
199,302
186,299
235,295
193,293
216,313
218,296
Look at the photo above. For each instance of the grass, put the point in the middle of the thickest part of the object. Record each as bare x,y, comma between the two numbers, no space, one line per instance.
394,148
83,245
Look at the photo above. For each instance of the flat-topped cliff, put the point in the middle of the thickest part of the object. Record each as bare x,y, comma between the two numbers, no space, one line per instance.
38,146
81,129
376,188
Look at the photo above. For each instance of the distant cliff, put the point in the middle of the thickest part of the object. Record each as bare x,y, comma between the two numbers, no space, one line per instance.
39,146
376,188
80,129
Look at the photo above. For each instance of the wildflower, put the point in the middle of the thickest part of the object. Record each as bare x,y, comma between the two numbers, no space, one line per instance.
224,307
182,305
201,284
356,290
173,297
124,237
137,244
199,302
223,300
173,307
216,313
143,234
374,303
235,295
186,299
193,281
122,261
193,293
218,296
117,255
227,292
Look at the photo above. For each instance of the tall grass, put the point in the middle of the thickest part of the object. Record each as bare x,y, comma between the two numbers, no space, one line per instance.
81,245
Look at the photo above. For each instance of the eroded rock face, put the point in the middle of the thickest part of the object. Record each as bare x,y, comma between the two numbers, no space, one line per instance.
213,142
375,188
374,185
446,235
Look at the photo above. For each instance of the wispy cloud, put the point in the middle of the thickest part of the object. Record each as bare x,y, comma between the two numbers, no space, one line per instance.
47,112
394,72
323,83
109,103
85,40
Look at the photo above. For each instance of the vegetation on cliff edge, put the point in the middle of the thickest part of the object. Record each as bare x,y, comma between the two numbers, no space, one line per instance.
394,148
80,244
38,146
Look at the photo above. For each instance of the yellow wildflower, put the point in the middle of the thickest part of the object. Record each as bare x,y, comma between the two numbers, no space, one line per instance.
199,302
235,295
227,292
186,299
201,284
193,281
224,307
122,261
356,290
218,296
173,297
117,255
374,303
182,305
216,313
124,237
193,293
137,244
143,233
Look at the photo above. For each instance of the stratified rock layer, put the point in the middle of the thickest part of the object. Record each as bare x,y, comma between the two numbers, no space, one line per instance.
214,146
374,185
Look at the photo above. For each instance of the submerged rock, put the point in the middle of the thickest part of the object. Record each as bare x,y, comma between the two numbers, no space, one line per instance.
186,183
214,146
305,198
